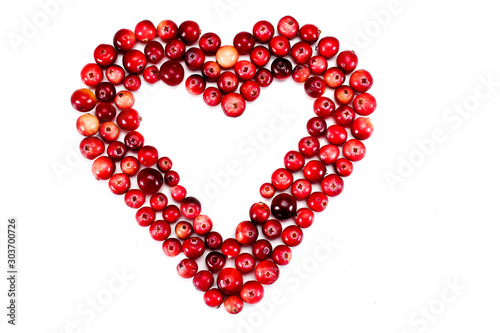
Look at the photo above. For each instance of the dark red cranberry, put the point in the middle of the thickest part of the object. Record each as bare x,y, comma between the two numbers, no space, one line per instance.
132,82
212,96
209,43
316,126
262,249
172,73
288,27
264,77
315,86
194,58
281,68
246,233
116,150
323,107
301,52
347,60
230,248
159,230
283,206
91,147
193,247
227,82
154,51
245,263
343,167
294,161
314,171
164,164
263,31
328,47
259,212
172,178
128,120
148,156
266,272
167,30
279,46
134,61
149,180
105,92
245,70
272,229
244,42
189,32
175,49
124,40
309,146
260,56
250,90
215,261
145,31
195,84
187,268
105,55
83,100
344,115
190,207
282,255
171,213
211,71
213,240
171,247
134,140
233,304
309,33
203,280
229,281
105,112
233,105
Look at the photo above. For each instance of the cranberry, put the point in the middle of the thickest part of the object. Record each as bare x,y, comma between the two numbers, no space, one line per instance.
318,65
154,51
314,171
309,146
281,68
124,99
130,165
344,95
361,80
260,56
324,107
328,47
115,74
164,164
134,61
149,180
336,135
194,58
213,298
317,202
203,280
354,150
362,128
158,202
309,33
292,235
145,31
252,292
145,216
151,74
304,217
259,212
347,60
105,92
167,30
283,206
213,240
227,82
175,49
227,56
116,150
109,132
344,115
91,147
264,77
209,43
172,178
334,77
245,70
364,104
281,179
212,96
172,73
279,46
332,185
230,248
134,140
190,207
244,42
233,304
132,82
294,161
215,261
187,268
229,281
105,55
343,167
134,198
262,249
246,233
267,190
202,224
193,247
91,75
124,40
272,229
195,84
105,112
178,193
250,90
301,73
263,31
119,183
288,27
267,272
148,156
183,230
315,86
282,255
87,125
316,126
171,247
301,188
245,263
83,100
328,154
301,52
233,105
189,31
159,230
211,71
103,168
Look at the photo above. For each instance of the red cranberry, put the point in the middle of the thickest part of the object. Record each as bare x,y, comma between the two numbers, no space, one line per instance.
132,82
209,43
175,49
281,68
362,128
227,82
304,217
250,90
336,135
267,190
332,185
187,268
202,224
301,52
230,248
105,55
246,233
172,73
158,202
149,180
159,230
309,146
283,206
245,263
148,156
317,202
87,125
189,31
267,272
309,33
115,74
272,229
343,167
314,171
145,31
347,60
105,112
259,212
130,165
91,75
119,183
263,31
233,105
233,304
344,95
334,77
213,240
354,150
190,207
364,104
301,188
361,80
301,73
245,70
324,107
318,65
134,198
172,178
109,132
316,126
294,161
328,47
203,280
145,216
128,120
124,40
213,298
260,56
262,249
215,261
282,255
171,247
288,27
279,46
83,100
328,154
292,235
195,84
134,140
344,115
211,71
281,179
103,168
252,292
183,230
229,281
194,58
116,150
134,61
193,247
212,96
264,77
244,42
91,147
315,86
178,193
167,30
105,92
164,164
154,51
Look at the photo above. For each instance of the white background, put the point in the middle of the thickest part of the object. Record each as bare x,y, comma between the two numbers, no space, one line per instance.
398,248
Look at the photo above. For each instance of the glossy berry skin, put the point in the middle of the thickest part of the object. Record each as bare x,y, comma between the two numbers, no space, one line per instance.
360,81
324,107
124,40
105,92
294,161
315,86
229,281
267,190
158,202
309,146
263,31
193,247
195,84
282,254
91,75
233,105
301,52
103,168
145,31
190,207
332,185
87,124
279,46
128,120
317,201
105,55
230,248
227,82
213,298
227,56
130,165
91,147
260,56
119,183
314,171
159,230
281,68
145,216
212,96
211,71
83,100
347,61
318,65
124,100
109,132
259,213
344,115
105,112
134,61
233,304
328,154
281,179
245,70
194,58
183,230
246,233
334,77
172,72
167,30
244,42
154,52
134,140
245,263
116,150
336,135
283,206
213,240
149,180
362,128
301,188
292,235
364,104
187,268
354,150
134,198
172,178
288,27
272,229
250,90
175,49
304,217
171,247
202,224
215,261
301,73
262,249
267,272
316,126
264,77
203,280
252,292
309,33
189,31
344,95
115,74
343,167
328,47
148,156
132,82
209,43
164,164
